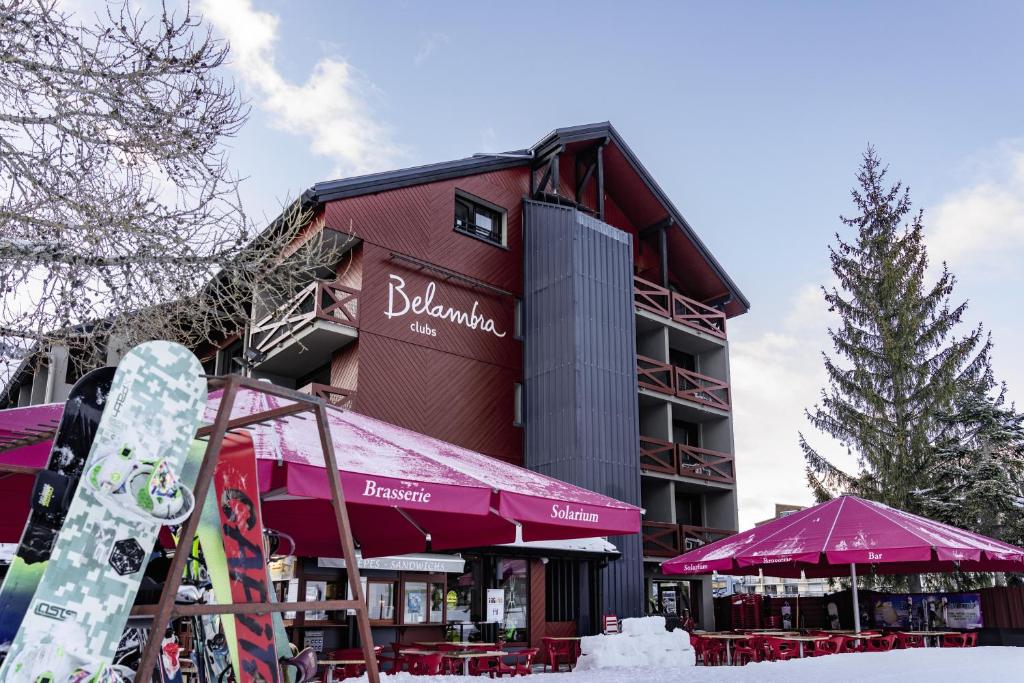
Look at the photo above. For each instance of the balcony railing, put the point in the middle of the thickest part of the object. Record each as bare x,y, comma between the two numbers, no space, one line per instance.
658,456
343,398
320,300
704,463
664,539
675,381
675,306
666,457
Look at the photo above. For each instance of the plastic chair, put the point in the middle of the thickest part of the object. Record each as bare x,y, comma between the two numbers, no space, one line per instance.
712,652
971,639
846,644
907,641
781,650
398,662
427,664
881,643
305,666
344,671
954,640
746,651
479,666
556,653
521,664
824,647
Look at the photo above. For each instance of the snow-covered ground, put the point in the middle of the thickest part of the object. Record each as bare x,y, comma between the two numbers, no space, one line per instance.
927,665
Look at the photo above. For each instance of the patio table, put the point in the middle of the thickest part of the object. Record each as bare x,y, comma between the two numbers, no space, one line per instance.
925,635
728,638
804,639
466,656
457,643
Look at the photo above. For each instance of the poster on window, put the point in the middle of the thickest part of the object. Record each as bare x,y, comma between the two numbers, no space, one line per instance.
928,611
495,605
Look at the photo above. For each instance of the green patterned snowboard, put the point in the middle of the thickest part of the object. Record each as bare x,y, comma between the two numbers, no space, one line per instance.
132,485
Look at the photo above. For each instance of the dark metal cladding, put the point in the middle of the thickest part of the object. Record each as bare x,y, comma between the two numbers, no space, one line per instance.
580,391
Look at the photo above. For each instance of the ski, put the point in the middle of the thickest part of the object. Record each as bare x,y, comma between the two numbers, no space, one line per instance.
55,487
131,486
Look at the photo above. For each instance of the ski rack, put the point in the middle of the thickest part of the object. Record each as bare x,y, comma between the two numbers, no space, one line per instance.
166,610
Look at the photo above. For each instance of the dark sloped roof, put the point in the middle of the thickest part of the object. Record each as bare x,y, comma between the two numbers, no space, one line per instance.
483,163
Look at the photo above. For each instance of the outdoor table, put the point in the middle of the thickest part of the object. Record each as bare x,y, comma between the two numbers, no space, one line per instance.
925,635
331,663
456,643
728,638
804,639
466,656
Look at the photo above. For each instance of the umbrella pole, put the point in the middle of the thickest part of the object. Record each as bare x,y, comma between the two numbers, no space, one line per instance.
856,602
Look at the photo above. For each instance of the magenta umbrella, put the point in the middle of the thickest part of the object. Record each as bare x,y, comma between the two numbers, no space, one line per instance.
846,535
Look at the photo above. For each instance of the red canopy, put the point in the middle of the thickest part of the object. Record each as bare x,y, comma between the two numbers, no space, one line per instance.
825,540
405,492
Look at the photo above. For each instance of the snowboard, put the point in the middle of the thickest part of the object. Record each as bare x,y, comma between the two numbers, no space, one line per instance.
244,564
130,487
54,488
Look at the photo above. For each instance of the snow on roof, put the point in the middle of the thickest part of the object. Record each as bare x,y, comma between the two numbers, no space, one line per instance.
597,545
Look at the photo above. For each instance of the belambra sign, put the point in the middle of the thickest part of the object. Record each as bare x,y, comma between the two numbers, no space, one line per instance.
402,302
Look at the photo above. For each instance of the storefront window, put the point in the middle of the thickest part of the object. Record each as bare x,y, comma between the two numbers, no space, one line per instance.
380,597
415,603
436,603
512,576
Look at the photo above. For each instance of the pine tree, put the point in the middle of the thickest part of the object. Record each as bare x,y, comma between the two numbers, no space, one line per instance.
977,476
899,363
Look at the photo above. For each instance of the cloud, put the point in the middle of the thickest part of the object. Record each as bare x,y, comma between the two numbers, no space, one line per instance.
330,109
777,373
983,224
429,44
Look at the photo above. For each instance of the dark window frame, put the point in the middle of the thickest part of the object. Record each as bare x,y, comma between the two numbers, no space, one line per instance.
472,206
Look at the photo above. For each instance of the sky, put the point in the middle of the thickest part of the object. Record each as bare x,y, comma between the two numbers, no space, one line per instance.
752,116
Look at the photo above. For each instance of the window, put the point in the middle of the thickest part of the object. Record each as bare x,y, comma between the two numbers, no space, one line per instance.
380,598
423,601
517,410
561,599
478,219
512,577
792,589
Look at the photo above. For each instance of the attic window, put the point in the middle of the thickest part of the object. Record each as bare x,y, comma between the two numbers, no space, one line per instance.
479,219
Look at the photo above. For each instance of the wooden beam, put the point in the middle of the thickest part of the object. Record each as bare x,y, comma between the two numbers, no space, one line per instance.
347,546
249,608
256,418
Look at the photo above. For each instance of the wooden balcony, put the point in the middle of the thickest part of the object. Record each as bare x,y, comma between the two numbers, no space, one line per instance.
664,539
343,398
703,463
685,384
665,457
301,335
681,309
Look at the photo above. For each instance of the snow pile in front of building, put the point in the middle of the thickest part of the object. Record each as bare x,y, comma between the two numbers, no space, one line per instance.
642,643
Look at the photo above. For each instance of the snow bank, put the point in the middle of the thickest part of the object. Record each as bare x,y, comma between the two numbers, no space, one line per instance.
642,643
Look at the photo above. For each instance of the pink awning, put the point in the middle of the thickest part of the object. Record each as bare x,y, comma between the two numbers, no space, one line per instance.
826,539
407,492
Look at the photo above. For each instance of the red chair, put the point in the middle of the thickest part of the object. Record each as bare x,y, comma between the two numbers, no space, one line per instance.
712,652
521,663
427,664
971,639
557,652
846,644
747,650
954,640
781,650
881,643
908,641
824,647
397,661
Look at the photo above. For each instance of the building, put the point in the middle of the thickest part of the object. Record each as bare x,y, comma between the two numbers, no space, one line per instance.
549,307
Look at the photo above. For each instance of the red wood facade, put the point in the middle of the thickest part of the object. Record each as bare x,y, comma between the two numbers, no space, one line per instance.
431,375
